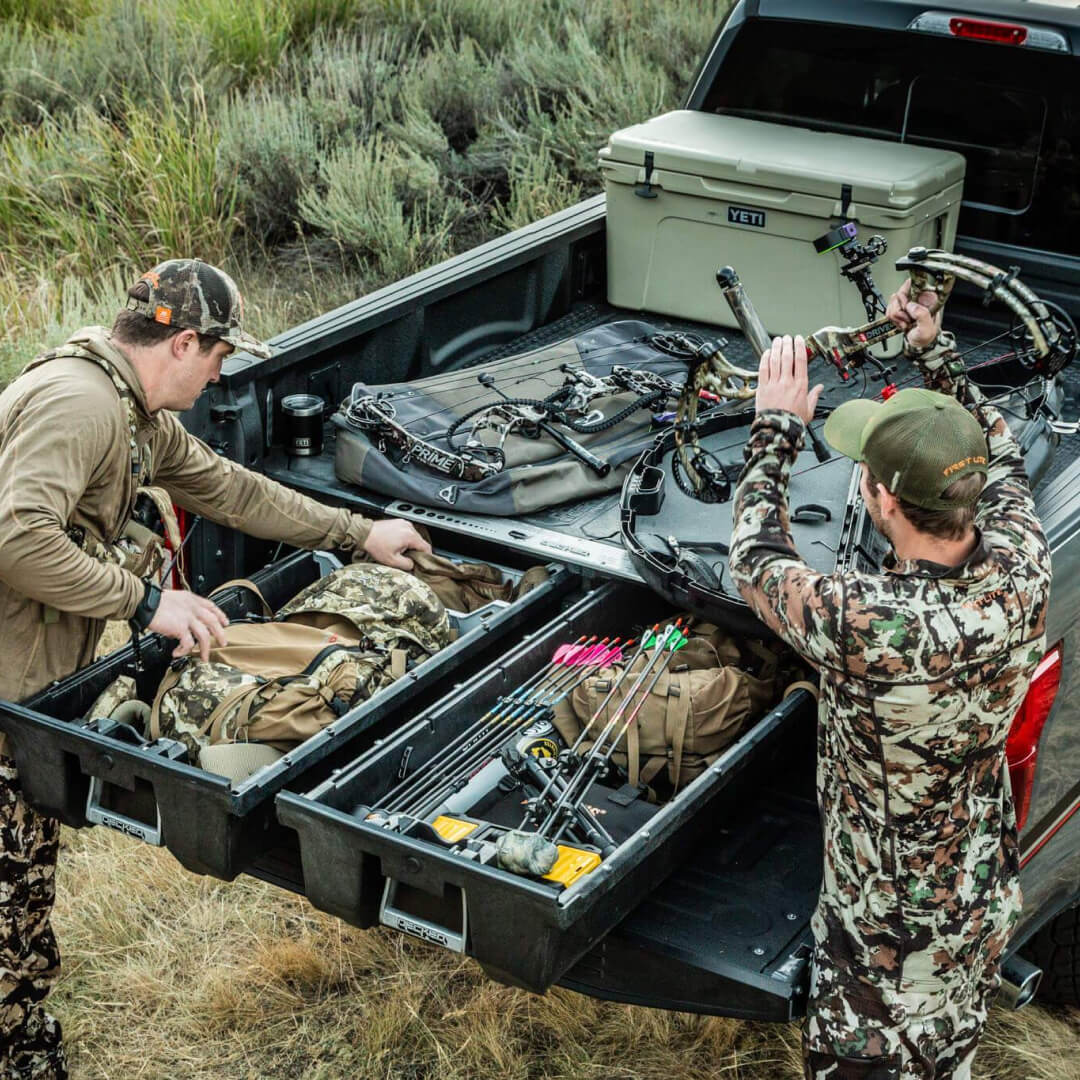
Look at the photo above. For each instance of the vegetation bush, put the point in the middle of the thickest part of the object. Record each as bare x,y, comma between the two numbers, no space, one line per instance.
291,139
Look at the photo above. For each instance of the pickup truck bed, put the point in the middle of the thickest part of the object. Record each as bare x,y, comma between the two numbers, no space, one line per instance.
728,931
586,534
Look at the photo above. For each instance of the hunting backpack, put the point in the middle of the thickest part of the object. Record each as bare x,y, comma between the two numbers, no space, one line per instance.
277,682
693,711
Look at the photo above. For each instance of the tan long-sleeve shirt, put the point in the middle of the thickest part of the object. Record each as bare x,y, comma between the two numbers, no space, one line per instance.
66,460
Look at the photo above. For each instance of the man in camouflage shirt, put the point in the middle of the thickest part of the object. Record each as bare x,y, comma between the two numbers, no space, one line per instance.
82,430
923,667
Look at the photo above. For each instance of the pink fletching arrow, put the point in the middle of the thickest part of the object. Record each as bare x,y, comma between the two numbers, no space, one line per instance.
586,657
568,654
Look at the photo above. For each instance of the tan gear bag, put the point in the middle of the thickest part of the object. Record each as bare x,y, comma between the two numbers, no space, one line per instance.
691,715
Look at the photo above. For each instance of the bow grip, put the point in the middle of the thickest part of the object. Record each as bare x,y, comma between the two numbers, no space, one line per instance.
923,279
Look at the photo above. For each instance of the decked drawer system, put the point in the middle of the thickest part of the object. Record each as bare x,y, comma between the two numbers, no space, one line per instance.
525,931
85,773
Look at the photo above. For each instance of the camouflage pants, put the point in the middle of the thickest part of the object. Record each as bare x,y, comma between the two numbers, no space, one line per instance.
853,1032
30,1044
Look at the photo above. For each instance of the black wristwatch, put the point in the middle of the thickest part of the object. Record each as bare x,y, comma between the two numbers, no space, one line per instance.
148,605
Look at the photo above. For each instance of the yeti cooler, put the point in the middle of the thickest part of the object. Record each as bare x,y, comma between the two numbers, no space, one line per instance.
689,192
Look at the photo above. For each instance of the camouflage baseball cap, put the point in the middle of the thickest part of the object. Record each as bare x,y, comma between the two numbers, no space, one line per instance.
194,295
917,444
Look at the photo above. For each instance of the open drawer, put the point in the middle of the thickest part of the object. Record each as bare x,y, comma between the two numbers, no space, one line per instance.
524,930
92,773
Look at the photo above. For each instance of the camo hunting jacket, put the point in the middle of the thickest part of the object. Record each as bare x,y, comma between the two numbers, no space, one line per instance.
923,668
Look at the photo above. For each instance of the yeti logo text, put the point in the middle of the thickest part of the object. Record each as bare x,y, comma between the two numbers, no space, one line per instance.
739,215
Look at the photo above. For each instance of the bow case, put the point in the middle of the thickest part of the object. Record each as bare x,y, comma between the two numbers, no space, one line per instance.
463,439
680,545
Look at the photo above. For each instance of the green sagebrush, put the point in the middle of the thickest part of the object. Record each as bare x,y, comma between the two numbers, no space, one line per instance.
311,146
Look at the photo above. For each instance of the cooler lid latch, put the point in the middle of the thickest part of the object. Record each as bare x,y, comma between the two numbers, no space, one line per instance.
846,194
645,191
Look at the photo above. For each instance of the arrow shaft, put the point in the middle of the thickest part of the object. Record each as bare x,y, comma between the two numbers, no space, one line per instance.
403,790
579,799
579,783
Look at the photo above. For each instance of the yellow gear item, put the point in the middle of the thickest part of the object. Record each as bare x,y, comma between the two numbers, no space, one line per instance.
572,863
452,829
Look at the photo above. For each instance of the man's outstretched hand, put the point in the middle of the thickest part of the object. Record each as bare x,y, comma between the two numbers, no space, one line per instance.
783,382
191,619
390,538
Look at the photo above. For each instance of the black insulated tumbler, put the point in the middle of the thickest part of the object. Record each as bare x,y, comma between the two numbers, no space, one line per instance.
303,415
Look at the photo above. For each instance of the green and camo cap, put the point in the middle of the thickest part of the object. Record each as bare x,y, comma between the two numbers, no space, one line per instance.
194,295
917,444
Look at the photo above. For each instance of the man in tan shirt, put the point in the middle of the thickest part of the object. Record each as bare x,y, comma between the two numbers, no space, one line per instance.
81,430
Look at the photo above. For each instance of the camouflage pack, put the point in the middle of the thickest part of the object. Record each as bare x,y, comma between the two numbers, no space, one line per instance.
336,643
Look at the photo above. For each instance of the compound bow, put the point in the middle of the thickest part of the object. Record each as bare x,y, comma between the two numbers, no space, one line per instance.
1043,338
570,406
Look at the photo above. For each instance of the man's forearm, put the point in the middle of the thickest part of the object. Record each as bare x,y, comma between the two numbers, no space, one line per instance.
1005,511
797,603
228,494
760,512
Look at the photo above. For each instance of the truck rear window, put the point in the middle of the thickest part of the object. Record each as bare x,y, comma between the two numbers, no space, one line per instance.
1013,113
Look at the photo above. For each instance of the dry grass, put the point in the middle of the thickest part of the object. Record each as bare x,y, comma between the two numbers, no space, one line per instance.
176,976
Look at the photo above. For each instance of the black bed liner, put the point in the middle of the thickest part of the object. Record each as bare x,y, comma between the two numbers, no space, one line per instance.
729,932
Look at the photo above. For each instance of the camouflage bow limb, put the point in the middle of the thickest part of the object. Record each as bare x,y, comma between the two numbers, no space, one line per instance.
1048,343
1048,337
376,418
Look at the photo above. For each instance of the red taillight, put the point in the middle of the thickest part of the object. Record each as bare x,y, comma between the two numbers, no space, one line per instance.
176,581
955,24
981,30
1022,748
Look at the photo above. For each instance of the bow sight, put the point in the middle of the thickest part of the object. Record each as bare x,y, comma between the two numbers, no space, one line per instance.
860,259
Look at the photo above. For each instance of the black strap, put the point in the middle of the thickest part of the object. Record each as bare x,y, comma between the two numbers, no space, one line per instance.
846,193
